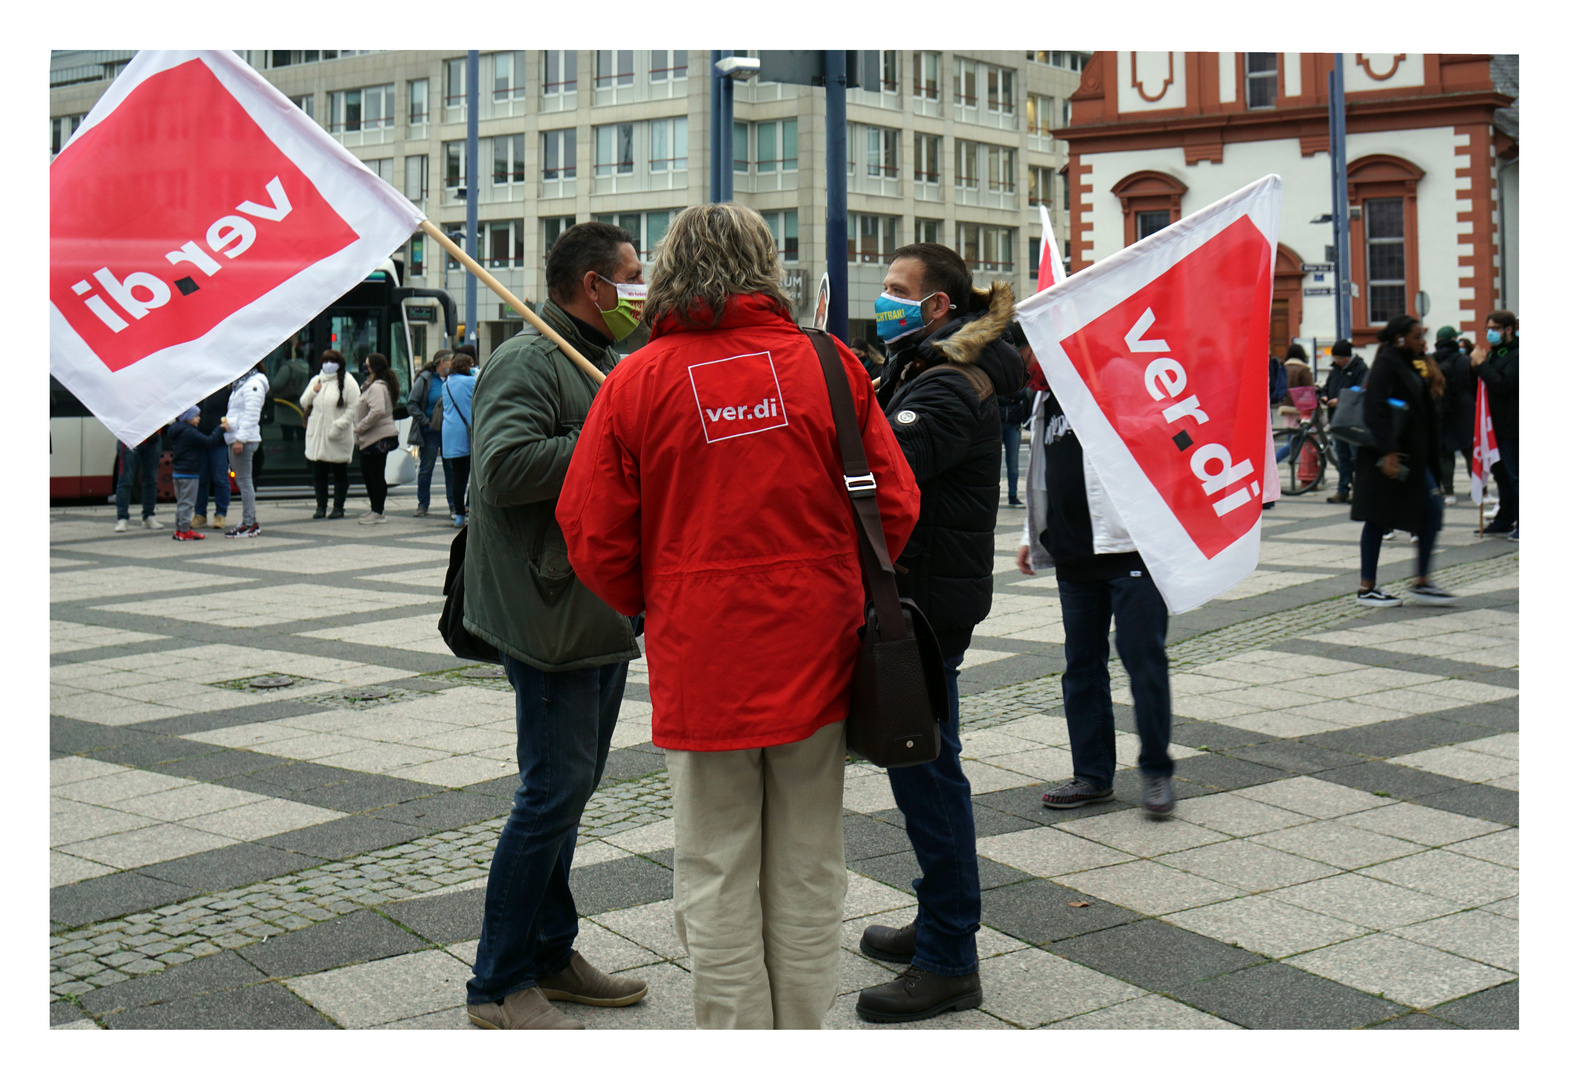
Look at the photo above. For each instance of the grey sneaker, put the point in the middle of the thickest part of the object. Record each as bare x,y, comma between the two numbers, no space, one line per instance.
1160,796
1431,595
526,1009
1075,792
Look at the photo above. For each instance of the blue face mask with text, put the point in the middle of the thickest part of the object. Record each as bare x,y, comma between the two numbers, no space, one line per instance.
898,316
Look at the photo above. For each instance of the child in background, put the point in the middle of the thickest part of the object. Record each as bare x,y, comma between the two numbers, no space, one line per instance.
189,446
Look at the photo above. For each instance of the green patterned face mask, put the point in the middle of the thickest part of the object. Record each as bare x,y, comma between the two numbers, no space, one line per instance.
624,318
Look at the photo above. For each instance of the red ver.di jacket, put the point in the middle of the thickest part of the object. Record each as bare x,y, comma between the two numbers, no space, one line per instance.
706,491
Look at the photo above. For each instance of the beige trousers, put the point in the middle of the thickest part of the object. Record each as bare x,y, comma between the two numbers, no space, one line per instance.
760,879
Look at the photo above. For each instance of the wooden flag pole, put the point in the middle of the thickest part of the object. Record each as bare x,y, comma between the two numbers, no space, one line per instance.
517,305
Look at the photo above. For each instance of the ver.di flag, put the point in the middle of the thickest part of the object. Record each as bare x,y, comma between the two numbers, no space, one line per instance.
1484,445
1158,355
197,219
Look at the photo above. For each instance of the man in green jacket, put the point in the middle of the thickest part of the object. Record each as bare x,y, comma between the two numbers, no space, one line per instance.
564,650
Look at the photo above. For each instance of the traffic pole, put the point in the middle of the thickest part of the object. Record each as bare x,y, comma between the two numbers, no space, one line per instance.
715,112
471,196
1337,166
838,214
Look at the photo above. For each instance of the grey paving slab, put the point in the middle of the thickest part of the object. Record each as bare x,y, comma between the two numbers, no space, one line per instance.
1033,987
990,822
867,837
220,971
629,762
100,898
1152,1012
262,711
620,883
1466,881
344,837
1155,955
1041,912
365,793
1496,1008
81,736
155,750
1247,864
1401,970
443,919
1294,756
227,867
1479,801
352,939
1206,733
1477,935
1396,781
1264,925
65,1012
446,810
900,869
1500,715
1276,996
222,765
265,1006
1415,1021
1391,738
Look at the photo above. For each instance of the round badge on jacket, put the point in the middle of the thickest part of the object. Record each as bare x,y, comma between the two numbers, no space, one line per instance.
905,416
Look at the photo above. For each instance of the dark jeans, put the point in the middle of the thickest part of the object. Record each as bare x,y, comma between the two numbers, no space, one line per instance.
1010,457
339,471
458,489
1087,610
146,458
1346,462
373,466
1373,536
1507,473
427,466
565,721
215,472
935,801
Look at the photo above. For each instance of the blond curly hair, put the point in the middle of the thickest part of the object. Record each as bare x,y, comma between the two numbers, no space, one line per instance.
711,253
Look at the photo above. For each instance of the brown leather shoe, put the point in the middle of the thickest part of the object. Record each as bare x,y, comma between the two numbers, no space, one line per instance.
522,1011
585,984
896,946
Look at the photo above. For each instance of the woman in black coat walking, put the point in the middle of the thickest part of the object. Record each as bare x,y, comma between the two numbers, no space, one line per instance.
1395,485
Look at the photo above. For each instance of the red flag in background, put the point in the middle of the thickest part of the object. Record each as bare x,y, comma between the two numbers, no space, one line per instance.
1484,444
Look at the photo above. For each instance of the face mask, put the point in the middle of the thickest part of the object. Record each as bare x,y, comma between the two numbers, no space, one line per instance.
897,316
624,318
329,368
1495,337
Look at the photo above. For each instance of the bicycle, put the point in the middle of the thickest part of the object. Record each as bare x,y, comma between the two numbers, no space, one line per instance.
1306,460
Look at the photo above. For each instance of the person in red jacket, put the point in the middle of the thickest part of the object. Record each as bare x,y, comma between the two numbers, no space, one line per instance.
706,491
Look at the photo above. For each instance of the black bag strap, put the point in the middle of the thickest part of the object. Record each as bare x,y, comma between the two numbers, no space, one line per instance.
876,566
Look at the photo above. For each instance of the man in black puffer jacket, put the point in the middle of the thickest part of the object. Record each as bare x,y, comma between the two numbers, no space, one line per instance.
949,362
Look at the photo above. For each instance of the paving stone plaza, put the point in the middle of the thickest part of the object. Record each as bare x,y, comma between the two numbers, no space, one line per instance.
274,795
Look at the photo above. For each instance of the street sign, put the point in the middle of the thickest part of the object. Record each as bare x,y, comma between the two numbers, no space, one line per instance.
804,67
1317,268
1423,305
820,319
1318,292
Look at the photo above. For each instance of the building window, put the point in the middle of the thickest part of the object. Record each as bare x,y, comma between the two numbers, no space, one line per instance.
1149,222
1067,111
61,128
926,75
966,83
667,144
1000,169
666,64
647,229
776,146
456,153
873,237
889,74
507,81
612,149
457,83
928,231
785,225
928,158
740,156
1038,111
1384,221
416,254
455,234
614,68
416,177
1035,257
554,227
1262,80
369,109
506,160
560,155
419,102
560,71
501,244
999,90
986,247
882,152
966,164
1040,185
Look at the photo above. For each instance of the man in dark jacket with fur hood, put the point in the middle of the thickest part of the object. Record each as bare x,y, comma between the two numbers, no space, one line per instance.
949,362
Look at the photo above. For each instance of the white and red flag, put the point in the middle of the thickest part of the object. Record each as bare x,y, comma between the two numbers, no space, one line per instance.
197,219
1051,271
1484,444
1158,354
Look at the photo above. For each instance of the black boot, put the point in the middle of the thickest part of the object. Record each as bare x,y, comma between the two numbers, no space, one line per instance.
890,945
321,512
918,995
337,512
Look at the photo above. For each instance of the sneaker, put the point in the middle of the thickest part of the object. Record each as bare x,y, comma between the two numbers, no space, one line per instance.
1014,502
459,520
896,946
1339,497
251,530
918,995
1376,597
1515,536
1390,535
189,534
1075,792
1160,796
373,518
1431,595
585,984
198,520
1449,500
151,523
234,531
366,516
523,1010
421,511
122,524
218,522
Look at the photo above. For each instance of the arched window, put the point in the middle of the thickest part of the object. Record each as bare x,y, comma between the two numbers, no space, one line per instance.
1150,201
1381,190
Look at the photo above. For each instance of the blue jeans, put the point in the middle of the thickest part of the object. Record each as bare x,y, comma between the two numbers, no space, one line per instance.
1010,457
565,720
1087,610
215,471
1346,462
427,466
935,801
146,456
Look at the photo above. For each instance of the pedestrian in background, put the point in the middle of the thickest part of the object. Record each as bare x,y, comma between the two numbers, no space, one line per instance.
457,408
214,473
1347,370
425,429
330,402
143,457
375,433
1498,366
243,434
1459,409
655,520
1014,411
190,445
867,354
1395,486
